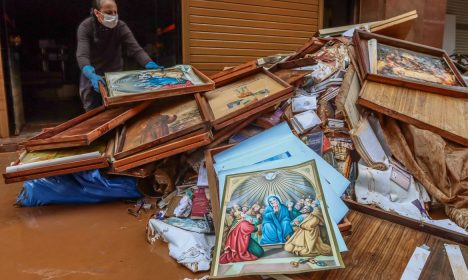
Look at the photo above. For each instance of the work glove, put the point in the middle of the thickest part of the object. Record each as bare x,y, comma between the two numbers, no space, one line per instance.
90,73
153,65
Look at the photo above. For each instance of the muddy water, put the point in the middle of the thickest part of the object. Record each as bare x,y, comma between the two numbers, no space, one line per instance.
78,242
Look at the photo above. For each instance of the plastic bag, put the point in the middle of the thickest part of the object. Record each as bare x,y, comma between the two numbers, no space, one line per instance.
81,187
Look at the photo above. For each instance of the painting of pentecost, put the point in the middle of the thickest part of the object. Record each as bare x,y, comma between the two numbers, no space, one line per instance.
407,64
275,221
232,97
143,81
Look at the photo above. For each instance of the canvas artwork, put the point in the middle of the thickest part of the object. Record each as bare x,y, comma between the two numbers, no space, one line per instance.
401,63
38,156
275,222
161,120
144,81
232,97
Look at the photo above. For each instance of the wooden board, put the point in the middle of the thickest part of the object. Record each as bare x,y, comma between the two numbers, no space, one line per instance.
170,92
226,76
360,40
223,120
446,116
84,129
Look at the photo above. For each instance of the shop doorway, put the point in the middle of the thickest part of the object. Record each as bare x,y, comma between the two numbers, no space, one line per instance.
39,45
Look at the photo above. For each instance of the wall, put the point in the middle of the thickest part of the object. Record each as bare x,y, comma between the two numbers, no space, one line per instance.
218,33
428,28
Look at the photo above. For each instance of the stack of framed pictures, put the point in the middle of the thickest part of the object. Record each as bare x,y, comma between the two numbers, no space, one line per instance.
168,127
140,85
413,83
252,92
77,145
84,129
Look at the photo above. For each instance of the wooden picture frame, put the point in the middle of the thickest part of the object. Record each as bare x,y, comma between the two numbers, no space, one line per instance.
189,142
242,113
55,169
398,219
207,85
180,116
286,72
361,39
84,129
344,226
226,76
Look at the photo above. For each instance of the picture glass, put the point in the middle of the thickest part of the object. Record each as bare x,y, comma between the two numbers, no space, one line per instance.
275,222
160,120
144,81
232,97
401,63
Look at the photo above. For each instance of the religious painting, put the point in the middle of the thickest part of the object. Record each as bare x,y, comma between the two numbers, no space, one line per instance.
73,153
402,63
161,122
275,222
145,81
242,93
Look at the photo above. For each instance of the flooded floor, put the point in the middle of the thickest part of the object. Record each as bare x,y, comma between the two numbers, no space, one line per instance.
78,242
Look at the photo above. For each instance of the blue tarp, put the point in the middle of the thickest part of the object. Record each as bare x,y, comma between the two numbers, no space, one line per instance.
81,187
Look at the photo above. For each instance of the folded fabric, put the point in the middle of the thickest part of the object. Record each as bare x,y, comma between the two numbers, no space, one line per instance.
191,249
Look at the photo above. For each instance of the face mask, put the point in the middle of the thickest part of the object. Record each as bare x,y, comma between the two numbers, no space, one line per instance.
110,21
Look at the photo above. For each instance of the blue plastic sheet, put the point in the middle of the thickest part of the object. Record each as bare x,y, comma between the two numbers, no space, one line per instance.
77,188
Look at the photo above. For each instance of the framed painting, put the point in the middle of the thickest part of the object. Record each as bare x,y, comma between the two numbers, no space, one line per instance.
41,164
275,222
131,86
163,121
401,63
84,129
251,93
179,145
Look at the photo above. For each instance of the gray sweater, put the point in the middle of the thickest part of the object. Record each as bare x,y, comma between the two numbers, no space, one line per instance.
101,47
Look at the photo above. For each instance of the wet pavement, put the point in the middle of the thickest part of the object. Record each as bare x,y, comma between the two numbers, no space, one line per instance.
78,242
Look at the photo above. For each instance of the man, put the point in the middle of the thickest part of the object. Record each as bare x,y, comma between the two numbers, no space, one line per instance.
101,38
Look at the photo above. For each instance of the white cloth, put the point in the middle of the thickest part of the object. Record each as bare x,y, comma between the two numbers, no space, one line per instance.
191,249
375,187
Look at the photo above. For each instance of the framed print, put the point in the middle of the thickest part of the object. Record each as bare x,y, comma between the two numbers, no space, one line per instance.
161,122
41,164
275,222
84,129
140,85
250,93
186,143
401,63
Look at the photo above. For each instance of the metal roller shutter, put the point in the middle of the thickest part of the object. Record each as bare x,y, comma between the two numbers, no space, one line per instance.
218,33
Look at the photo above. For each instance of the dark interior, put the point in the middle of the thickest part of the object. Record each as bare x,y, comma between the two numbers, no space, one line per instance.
40,40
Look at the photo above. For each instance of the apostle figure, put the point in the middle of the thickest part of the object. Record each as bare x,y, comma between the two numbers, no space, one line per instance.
276,227
239,245
306,241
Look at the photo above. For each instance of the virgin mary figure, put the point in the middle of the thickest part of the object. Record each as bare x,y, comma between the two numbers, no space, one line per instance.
276,227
